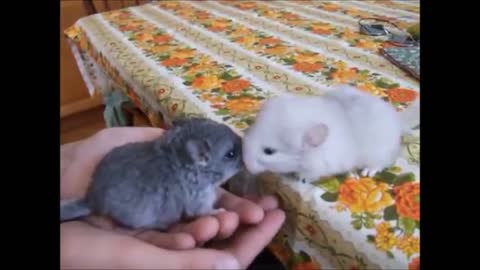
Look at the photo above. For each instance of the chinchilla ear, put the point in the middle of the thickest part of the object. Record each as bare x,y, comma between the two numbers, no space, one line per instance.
315,135
198,151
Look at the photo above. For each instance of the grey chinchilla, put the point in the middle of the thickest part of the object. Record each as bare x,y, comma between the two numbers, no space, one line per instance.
154,184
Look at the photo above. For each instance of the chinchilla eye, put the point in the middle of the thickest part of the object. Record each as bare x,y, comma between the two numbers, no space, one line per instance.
269,151
231,154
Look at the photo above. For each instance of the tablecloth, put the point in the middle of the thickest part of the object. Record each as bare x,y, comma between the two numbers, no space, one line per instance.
222,59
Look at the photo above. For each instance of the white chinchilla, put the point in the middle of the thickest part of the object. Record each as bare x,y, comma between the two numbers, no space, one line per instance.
343,130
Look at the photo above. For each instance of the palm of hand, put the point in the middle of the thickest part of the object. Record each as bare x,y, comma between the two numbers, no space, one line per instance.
233,241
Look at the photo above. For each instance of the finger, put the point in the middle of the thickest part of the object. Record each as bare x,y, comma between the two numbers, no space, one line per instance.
268,202
175,241
202,229
249,242
228,223
248,212
85,247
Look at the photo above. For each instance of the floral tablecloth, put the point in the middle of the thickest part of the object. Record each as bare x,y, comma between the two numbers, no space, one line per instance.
222,59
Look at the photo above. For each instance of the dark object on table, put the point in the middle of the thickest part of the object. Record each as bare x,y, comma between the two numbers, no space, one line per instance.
406,58
266,260
380,27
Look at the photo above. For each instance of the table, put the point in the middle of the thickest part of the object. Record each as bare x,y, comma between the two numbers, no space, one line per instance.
222,59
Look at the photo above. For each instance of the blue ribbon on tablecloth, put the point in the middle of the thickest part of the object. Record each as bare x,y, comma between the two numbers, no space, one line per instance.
113,114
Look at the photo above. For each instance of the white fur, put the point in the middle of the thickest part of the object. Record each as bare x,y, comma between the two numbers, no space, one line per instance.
364,132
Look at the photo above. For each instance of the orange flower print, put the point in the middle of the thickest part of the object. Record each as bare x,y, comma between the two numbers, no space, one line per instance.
202,15
356,13
407,198
142,37
307,67
322,29
384,240
366,44
204,67
330,7
162,38
414,264
364,195
370,88
409,245
160,48
221,23
248,40
278,50
185,12
174,62
182,54
297,22
345,75
235,85
242,105
170,5
383,228
340,64
290,16
211,98
349,34
401,95
308,58
241,31
269,41
206,82
128,27
247,5
216,28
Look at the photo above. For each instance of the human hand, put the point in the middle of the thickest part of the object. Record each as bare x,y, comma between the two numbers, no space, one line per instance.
87,247
78,162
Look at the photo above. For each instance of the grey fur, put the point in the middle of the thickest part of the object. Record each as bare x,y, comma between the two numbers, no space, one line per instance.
151,185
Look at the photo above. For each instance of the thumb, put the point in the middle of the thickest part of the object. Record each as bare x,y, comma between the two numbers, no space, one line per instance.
198,258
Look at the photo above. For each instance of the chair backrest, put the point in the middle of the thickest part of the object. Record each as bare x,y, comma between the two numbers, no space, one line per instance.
95,6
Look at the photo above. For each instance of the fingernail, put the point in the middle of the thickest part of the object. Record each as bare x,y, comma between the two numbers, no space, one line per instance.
227,263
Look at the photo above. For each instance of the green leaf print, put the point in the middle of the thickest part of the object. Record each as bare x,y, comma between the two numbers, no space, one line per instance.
222,112
289,61
386,177
408,225
390,213
385,83
330,197
357,224
369,224
403,178
330,184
